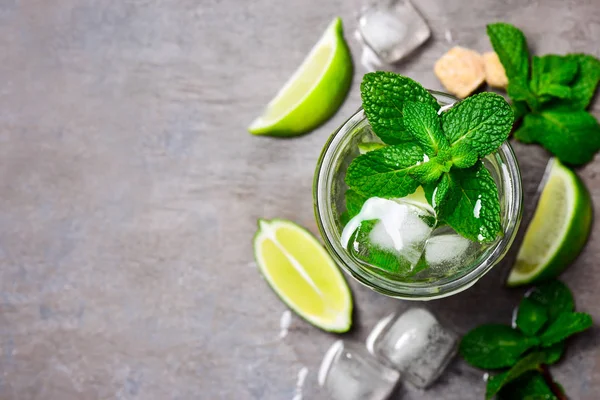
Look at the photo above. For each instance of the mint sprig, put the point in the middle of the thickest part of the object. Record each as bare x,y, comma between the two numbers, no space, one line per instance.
551,96
545,318
440,152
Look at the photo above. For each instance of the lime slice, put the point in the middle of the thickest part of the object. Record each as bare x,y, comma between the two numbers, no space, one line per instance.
303,275
315,91
559,228
364,148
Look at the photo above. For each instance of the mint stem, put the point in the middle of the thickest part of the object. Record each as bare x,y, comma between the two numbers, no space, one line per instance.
556,390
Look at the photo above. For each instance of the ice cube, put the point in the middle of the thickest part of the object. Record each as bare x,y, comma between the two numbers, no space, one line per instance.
415,344
389,234
446,251
349,372
392,29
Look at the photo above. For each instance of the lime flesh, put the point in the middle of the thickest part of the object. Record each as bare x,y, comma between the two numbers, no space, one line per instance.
303,275
315,91
559,228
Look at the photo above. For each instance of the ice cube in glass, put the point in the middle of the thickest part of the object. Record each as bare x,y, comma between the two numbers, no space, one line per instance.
390,235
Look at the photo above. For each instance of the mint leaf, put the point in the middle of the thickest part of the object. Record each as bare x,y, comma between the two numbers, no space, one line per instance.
555,296
584,84
476,214
552,69
443,196
528,363
531,386
555,90
565,325
423,123
531,316
385,172
354,202
431,171
511,46
477,126
384,95
554,352
519,91
494,346
520,108
572,136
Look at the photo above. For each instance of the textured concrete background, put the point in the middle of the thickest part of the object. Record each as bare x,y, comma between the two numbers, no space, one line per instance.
129,193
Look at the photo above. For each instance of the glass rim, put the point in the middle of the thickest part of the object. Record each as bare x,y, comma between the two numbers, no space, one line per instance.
404,290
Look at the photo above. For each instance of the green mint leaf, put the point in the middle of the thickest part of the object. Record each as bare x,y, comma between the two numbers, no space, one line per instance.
520,108
385,172
344,218
572,136
531,386
555,296
584,84
531,316
384,95
443,195
423,123
477,125
519,91
476,214
554,90
552,69
565,325
531,362
554,353
354,202
493,346
511,46
430,171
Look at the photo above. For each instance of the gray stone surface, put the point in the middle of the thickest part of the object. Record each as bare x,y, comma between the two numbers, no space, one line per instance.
130,192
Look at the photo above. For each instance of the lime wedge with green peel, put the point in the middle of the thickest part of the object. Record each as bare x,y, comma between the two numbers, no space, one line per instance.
303,275
315,91
559,228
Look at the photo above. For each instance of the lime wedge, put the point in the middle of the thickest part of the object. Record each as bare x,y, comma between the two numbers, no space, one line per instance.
364,148
303,275
559,228
315,91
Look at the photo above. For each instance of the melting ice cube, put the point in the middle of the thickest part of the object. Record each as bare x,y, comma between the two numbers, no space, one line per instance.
389,234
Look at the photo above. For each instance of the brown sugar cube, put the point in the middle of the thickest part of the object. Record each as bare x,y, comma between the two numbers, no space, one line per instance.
494,71
460,70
